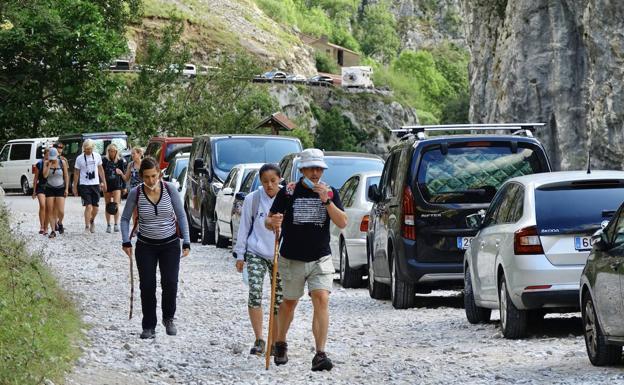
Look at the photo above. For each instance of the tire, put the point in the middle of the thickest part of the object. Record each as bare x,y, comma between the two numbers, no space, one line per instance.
600,353
220,242
474,313
376,290
403,293
193,233
513,320
207,236
349,278
26,190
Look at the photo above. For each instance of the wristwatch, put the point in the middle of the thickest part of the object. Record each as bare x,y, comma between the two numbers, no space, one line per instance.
327,202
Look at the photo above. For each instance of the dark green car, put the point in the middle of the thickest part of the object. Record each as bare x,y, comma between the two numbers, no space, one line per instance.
602,294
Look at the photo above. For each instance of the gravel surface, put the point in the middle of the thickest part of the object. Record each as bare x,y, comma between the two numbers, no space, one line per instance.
369,341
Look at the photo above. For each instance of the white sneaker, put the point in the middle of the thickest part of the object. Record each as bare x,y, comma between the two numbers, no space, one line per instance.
116,228
87,231
92,227
108,228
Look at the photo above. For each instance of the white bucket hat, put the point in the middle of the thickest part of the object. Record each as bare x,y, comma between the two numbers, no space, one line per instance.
312,157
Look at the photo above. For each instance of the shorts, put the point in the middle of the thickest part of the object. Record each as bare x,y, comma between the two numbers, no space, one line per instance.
90,194
318,274
55,192
40,188
257,267
113,185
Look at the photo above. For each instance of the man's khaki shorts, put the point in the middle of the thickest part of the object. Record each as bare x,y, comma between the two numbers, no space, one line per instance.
318,274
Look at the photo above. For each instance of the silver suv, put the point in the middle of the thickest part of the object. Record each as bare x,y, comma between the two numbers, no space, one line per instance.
533,243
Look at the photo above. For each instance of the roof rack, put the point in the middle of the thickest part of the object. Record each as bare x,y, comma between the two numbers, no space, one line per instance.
517,128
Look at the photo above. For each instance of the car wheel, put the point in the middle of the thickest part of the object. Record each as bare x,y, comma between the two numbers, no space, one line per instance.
193,233
599,352
513,320
474,313
376,290
349,278
220,242
403,293
25,187
207,236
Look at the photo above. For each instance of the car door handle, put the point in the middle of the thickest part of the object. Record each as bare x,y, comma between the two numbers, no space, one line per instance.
615,266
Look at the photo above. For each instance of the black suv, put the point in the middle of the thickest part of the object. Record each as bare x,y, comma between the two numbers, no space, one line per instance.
418,231
212,157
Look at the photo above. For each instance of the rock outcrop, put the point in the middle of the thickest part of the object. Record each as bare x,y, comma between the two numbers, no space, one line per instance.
558,61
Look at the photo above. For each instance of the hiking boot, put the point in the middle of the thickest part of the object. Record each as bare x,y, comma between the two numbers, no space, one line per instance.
92,227
148,333
258,348
52,235
170,327
61,229
281,353
321,362
108,229
116,228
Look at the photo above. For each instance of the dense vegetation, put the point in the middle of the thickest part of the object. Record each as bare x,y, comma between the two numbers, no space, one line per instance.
39,326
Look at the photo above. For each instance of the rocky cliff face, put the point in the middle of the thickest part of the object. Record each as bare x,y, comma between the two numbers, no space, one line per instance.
555,61
373,112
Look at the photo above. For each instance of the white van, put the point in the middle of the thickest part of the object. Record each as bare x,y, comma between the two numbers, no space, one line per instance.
17,160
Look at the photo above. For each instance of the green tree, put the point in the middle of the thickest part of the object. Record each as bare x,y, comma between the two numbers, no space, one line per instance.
50,63
377,32
335,132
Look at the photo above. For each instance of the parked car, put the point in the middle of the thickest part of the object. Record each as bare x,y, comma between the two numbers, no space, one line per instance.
18,158
225,202
321,80
120,65
533,243
417,230
348,245
341,165
73,145
602,294
212,158
162,148
188,69
295,78
250,184
274,75
181,183
175,167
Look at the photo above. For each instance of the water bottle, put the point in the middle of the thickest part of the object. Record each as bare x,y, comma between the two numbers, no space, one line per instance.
245,275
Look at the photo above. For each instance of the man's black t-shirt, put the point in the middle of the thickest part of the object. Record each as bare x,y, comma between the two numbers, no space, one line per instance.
305,228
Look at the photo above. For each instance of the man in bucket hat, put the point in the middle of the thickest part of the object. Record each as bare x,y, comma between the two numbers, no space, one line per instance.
302,211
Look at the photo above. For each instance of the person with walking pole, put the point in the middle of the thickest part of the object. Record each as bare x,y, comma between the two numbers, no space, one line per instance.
302,212
255,245
161,223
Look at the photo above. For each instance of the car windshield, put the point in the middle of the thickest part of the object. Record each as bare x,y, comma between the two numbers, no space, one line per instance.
473,174
228,152
340,168
102,143
576,209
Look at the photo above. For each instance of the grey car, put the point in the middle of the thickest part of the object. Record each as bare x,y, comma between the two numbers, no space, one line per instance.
532,245
602,294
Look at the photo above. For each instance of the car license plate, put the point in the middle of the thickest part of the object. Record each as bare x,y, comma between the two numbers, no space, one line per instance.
463,242
583,243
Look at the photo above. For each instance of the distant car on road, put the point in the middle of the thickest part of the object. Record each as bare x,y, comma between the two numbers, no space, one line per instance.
348,245
533,243
602,294
322,80
295,78
120,65
274,75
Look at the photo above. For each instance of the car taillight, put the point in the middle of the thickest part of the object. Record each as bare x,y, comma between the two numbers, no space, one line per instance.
364,224
408,220
526,241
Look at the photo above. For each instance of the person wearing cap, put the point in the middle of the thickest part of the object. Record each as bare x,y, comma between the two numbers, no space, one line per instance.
302,212
91,176
39,192
61,214
56,189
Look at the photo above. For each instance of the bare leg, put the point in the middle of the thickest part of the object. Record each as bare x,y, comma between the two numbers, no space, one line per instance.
88,214
285,316
108,197
255,316
320,322
117,199
43,222
94,212
51,214
59,204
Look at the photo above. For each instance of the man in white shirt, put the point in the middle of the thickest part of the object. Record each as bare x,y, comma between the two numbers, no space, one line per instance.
91,176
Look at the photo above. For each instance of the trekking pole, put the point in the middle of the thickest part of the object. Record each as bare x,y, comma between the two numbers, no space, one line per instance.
131,288
272,305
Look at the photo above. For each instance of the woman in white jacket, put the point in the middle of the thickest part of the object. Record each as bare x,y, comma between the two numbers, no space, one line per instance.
255,245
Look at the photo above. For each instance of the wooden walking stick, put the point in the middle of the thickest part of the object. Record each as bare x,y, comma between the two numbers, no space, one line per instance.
131,288
271,312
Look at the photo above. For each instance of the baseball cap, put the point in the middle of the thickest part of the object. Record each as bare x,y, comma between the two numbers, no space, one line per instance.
312,157
53,154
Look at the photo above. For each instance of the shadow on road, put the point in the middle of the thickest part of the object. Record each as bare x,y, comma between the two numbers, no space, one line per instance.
556,327
456,300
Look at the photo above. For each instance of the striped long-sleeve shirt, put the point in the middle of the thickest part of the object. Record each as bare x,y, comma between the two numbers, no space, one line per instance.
157,220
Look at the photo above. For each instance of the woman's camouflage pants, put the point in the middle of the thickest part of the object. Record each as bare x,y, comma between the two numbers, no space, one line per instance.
257,268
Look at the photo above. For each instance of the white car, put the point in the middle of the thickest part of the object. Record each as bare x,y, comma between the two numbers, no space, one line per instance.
17,162
533,242
225,202
348,245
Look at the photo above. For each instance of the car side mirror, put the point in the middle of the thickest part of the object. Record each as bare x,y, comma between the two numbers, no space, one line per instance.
373,193
475,221
198,166
228,191
599,242
241,196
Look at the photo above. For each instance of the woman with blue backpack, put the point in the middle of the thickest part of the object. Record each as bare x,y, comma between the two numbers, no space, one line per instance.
255,246
161,224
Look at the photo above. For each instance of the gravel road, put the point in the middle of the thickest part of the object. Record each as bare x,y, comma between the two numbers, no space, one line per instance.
369,341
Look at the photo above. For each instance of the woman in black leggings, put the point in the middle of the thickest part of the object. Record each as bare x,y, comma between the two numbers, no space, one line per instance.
161,223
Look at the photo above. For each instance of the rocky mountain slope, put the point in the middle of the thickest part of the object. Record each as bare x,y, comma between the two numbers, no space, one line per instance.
558,62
